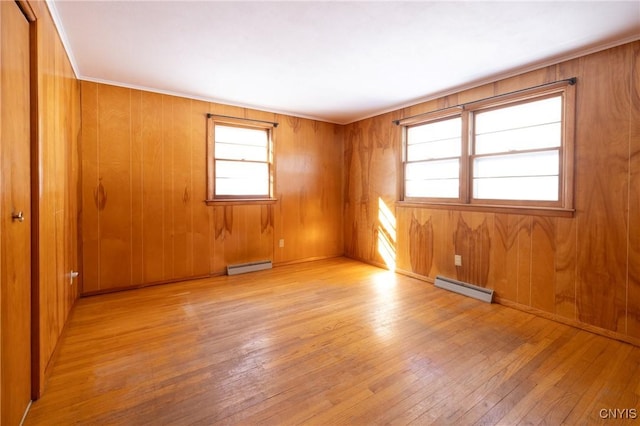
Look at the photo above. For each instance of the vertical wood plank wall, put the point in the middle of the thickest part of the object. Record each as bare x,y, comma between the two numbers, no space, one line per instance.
585,269
56,248
144,219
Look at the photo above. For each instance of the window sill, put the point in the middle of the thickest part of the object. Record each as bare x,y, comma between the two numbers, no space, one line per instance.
240,201
525,210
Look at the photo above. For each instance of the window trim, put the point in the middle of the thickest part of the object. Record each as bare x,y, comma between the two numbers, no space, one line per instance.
212,199
565,88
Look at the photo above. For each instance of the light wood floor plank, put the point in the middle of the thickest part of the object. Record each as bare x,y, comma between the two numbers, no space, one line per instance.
328,342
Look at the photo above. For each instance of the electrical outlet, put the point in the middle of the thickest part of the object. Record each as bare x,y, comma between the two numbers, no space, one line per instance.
457,260
281,243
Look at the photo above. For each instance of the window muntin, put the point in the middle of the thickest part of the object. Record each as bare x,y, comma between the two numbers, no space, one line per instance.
514,151
432,167
241,162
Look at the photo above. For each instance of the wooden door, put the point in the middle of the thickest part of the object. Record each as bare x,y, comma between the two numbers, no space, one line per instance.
15,216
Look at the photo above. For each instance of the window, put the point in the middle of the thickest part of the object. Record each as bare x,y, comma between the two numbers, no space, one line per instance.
432,169
515,151
240,161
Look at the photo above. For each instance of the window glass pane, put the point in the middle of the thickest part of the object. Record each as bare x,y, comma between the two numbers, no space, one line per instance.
241,135
534,113
434,188
438,179
544,163
537,137
238,169
240,152
444,148
537,188
237,143
242,178
444,129
439,139
241,187
433,169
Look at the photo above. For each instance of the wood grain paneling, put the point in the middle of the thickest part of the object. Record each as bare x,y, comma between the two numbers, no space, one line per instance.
582,269
150,143
181,206
472,241
421,246
543,271
112,192
522,225
56,95
444,244
147,154
371,158
89,182
242,234
138,188
308,173
602,197
565,268
15,245
503,257
200,232
633,260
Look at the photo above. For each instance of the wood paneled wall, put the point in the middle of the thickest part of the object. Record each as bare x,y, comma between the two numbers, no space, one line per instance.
144,219
583,270
309,164
55,249
139,205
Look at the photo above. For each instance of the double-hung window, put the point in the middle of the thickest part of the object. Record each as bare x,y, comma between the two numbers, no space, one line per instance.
240,162
514,151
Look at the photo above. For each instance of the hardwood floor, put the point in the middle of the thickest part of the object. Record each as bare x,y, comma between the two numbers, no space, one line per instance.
328,342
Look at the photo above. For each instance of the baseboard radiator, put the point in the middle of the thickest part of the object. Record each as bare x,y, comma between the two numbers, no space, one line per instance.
243,268
480,293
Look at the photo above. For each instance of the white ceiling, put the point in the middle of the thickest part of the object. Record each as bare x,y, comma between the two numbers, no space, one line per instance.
333,61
